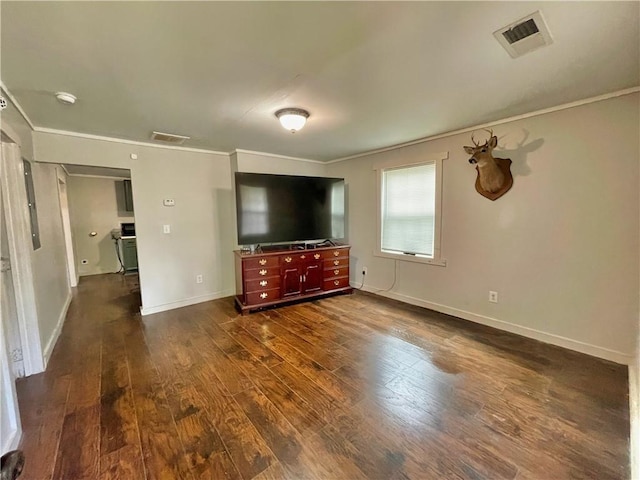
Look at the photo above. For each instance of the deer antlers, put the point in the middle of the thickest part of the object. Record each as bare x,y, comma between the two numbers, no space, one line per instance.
486,130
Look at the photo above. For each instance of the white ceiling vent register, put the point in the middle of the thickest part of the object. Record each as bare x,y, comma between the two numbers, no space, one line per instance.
525,35
169,138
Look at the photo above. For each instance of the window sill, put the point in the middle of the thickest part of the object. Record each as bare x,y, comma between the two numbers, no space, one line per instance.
439,262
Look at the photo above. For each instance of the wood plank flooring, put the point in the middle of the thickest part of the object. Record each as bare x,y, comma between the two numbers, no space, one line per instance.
348,387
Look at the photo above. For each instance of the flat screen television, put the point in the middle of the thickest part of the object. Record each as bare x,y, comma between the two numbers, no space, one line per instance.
287,208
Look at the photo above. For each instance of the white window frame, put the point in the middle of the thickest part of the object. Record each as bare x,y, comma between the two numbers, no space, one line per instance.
437,240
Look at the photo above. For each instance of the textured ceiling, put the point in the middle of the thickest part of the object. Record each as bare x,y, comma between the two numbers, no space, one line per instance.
372,74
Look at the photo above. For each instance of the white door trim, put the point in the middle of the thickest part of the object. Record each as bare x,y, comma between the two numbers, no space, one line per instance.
66,226
18,232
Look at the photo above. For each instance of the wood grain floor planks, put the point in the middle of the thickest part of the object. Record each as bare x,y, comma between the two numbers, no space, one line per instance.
348,387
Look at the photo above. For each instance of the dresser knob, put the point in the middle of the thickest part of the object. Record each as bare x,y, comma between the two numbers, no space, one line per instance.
336,262
263,261
335,272
264,295
263,283
316,256
336,282
288,259
303,257
336,253
262,272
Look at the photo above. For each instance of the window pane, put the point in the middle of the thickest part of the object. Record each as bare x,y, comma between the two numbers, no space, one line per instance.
408,209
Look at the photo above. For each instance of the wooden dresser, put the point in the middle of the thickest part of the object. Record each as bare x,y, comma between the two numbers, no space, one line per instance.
273,278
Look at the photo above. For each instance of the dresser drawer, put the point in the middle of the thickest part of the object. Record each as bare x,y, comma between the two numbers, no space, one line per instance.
261,273
336,262
338,252
263,296
298,257
336,283
261,284
334,272
259,262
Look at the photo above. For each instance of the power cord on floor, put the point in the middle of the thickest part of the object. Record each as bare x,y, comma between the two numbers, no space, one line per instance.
395,277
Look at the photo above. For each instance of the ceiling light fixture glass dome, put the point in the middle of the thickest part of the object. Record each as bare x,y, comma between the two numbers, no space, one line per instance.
292,119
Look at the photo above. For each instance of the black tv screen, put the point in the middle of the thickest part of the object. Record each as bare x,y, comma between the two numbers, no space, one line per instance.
286,208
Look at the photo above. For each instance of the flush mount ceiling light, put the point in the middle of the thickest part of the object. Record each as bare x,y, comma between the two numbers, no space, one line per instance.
66,98
293,119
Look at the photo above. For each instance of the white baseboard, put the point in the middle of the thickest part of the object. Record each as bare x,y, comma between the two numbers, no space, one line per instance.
48,349
553,339
99,271
185,303
634,416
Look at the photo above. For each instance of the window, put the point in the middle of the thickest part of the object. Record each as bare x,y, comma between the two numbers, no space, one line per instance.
409,211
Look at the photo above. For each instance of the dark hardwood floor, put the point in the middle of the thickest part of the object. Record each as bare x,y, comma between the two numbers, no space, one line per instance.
346,387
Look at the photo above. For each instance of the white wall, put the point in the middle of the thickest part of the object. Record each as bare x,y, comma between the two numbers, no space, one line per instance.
50,272
561,248
94,208
200,242
255,162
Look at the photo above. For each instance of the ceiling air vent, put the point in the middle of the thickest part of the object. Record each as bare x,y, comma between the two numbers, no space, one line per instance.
169,138
525,35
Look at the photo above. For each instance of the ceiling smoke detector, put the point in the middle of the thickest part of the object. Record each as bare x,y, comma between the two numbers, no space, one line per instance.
525,35
171,138
66,98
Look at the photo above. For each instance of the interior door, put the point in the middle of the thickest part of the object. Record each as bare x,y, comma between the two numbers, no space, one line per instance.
9,311
10,427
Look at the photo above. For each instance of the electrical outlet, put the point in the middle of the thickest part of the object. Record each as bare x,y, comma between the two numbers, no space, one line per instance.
198,278
493,296
364,271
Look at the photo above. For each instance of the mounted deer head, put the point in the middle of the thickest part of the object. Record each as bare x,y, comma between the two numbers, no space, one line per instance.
494,175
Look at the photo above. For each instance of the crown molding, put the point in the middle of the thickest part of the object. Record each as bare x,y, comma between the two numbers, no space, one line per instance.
15,103
535,113
275,155
125,141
